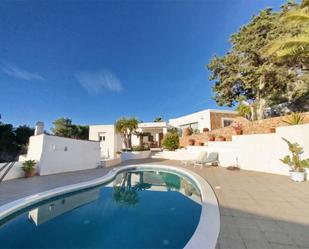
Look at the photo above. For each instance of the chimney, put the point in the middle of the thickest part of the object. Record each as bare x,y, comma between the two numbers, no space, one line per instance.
39,128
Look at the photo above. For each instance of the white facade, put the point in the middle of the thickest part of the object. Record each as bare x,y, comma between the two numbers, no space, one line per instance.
110,141
197,120
58,154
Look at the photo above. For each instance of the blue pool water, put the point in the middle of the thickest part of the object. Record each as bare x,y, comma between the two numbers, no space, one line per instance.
138,209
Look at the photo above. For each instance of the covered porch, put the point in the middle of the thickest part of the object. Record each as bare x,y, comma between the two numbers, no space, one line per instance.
152,134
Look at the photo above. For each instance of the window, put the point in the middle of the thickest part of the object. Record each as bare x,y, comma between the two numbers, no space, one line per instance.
226,122
101,137
193,126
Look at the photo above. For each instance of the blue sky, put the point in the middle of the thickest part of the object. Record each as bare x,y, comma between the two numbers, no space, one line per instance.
95,61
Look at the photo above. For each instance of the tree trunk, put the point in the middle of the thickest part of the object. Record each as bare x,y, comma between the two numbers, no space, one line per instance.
125,141
260,110
129,141
260,100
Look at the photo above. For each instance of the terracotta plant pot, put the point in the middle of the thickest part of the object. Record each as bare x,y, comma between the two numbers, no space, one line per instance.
272,130
220,138
238,131
211,138
205,130
191,142
29,174
187,132
200,144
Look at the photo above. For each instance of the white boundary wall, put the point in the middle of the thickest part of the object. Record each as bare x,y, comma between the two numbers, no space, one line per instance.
260,152
58,154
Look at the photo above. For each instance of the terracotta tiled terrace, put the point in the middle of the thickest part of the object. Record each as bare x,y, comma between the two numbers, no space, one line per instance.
257,210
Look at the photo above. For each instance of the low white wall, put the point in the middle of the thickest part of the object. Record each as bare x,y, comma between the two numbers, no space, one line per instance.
15,171
260,152
135,155
110,162
57,154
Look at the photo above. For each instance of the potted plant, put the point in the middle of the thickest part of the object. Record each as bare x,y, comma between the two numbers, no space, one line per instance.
200,144
29,167
296,164
220,138
211,138
191,141
205,130
237,127
187,132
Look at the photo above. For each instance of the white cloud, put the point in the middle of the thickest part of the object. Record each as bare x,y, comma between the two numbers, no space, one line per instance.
96,82
19,73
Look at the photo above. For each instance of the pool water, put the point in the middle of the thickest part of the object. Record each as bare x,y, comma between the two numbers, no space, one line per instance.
138,209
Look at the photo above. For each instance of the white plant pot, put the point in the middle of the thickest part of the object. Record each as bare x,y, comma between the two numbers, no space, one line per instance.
297,176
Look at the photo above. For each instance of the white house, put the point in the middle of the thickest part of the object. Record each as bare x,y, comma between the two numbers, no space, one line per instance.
211,119
111,142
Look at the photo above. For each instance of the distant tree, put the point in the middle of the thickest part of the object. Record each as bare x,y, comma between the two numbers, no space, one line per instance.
64,127
126,127
8,145
158,119
245,72
23,133
80,132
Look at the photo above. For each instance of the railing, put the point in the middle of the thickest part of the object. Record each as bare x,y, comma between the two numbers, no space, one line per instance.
5,169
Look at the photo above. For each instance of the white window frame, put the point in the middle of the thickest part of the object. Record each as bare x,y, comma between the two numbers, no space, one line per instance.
226,119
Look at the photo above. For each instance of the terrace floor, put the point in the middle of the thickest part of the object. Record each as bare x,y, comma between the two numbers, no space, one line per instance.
257,210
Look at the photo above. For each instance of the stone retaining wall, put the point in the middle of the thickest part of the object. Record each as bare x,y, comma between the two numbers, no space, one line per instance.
249,127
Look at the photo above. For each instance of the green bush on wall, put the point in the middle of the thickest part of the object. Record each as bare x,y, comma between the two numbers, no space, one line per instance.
171,141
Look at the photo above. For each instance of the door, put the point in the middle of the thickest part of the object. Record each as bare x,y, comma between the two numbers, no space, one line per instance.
160,138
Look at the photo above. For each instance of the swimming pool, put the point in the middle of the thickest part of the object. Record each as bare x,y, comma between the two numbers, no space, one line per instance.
139,207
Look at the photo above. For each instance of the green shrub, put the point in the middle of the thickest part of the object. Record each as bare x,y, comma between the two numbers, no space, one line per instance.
171,141
139,148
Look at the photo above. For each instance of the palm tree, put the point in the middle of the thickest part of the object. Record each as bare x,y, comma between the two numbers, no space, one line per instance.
292,45
158,119
126,127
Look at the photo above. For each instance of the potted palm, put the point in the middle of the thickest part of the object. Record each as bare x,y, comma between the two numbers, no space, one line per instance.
29,167
296,164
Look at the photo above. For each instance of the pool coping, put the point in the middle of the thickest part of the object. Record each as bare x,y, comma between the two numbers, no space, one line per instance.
205,235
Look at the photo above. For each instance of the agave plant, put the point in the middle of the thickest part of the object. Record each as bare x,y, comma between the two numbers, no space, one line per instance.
294,161
295,119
